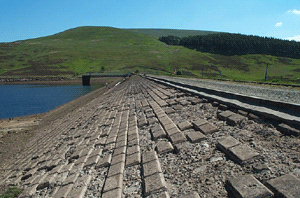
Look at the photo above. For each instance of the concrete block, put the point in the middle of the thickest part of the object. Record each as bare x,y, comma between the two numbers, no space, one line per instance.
208,128
198,123
224,115
151,168
286,186
116,193
247,186
185,125
242,154
116,169
133,159
154,183
113,182
177,138
149,156
226,143
164,147
235,119
103,162
157,132
195,136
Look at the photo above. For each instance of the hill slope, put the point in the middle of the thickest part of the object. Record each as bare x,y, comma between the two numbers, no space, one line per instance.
156,33
92,49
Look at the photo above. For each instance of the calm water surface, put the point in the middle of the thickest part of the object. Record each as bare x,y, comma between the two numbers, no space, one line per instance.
20,100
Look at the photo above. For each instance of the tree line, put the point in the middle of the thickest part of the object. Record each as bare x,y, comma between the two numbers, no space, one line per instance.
236,44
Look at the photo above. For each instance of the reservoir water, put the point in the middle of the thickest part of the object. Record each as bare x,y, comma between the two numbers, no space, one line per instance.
21,100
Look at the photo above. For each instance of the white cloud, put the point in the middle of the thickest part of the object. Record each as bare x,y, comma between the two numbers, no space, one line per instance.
294,38
295,11
278,24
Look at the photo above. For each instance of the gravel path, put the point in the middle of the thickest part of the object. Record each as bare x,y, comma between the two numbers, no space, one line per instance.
279,94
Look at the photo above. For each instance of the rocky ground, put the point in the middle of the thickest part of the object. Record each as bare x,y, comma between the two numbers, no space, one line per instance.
142,139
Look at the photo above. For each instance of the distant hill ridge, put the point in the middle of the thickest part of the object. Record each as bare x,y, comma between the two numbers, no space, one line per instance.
156,33
103,49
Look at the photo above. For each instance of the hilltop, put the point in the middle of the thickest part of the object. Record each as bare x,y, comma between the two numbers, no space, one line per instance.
95,49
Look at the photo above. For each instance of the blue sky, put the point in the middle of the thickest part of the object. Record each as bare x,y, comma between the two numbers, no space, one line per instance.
20,19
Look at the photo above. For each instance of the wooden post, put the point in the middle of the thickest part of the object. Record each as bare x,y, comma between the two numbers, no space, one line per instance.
266,74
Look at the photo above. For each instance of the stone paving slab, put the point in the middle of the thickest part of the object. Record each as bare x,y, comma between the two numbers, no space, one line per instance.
116,169
169,126
151,168
70,179
222,107
169,111
103,161
133,149
133,159
154,183
195,101
243,154
198,123
92,161
225,143
113,182
208,128
225,114
164,147
195,136
235,119
152,120
157,132
177,138
247,186
120,150
149,156
286,186
173,131
192,194
133,142
80,187
116,193
63,191
185,125
160,195
177,107
118,159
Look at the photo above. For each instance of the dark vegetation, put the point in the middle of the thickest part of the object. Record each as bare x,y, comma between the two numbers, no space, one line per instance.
11,192
156,33
236,44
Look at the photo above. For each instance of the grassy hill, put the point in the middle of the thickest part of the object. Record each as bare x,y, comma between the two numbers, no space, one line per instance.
156,33
93,49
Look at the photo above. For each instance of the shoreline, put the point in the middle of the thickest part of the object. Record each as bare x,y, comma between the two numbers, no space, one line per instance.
55,82
15,132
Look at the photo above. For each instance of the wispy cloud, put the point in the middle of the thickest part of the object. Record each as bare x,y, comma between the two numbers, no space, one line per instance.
294,11
278,24
294,38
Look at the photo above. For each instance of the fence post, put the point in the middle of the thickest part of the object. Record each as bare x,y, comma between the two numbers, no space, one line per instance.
220,71
266,74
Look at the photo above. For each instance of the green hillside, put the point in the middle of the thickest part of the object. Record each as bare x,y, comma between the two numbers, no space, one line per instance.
95,49
156,33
